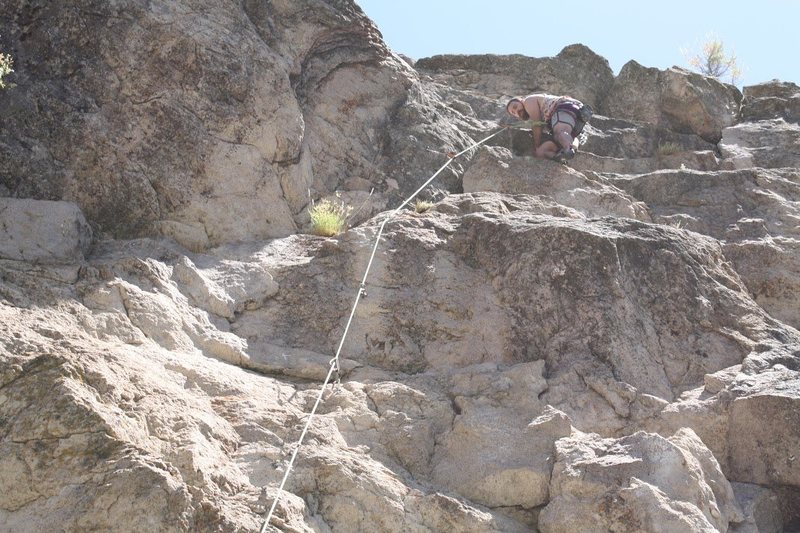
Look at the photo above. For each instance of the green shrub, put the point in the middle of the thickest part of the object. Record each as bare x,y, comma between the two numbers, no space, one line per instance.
6,62
420,206
712,61
329,218
668,148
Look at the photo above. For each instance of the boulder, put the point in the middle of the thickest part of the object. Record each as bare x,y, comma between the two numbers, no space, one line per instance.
771,100
769,267
760,507
675,99
765,429
640,482
497,407
575,71
41,231
773,143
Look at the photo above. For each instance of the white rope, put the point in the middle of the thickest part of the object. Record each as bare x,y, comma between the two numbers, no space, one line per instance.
297,448
334,363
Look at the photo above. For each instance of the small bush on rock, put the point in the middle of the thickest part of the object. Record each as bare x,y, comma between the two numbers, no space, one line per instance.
422,205
668,148
329,218
6,62
712,60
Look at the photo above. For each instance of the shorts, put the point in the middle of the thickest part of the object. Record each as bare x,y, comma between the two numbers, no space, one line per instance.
568,113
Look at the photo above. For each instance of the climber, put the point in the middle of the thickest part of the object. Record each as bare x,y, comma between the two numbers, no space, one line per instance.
564,118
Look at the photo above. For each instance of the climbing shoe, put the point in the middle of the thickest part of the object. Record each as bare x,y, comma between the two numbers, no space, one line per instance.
585,113
562,156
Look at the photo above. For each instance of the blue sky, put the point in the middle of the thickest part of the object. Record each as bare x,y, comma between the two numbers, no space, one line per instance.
764,35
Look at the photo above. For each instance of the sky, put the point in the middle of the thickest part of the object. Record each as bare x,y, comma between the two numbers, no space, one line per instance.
763,35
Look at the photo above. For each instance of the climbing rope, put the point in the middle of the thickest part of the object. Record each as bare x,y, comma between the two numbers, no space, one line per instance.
334,362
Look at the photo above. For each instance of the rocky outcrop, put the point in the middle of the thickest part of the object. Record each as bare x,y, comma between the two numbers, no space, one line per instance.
630,484
208,122
768,137
676,99
751,210
497,170
609,345
771,100
41,231
433,392
766,143
395,411
760,507
632,142
763,415
576,71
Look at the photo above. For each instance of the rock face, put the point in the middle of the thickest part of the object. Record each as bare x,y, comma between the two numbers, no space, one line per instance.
53,232
208,122
766,143
497,170
606,346
576,71
677,99
771,100
642,482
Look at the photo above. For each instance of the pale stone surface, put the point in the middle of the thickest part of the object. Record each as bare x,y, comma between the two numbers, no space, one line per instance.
765,428
161,384
429,306
225,288
147,294
732,205
477,458
770,269
128,433
641,482
592,163
496,170
769,135
754,211
43,231
767,143
576,71
211,122
771,100
161,440
675,98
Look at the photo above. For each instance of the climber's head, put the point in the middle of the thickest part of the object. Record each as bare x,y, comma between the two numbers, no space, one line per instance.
516,108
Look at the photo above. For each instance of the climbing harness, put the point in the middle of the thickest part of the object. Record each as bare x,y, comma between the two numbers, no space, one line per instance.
361,293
